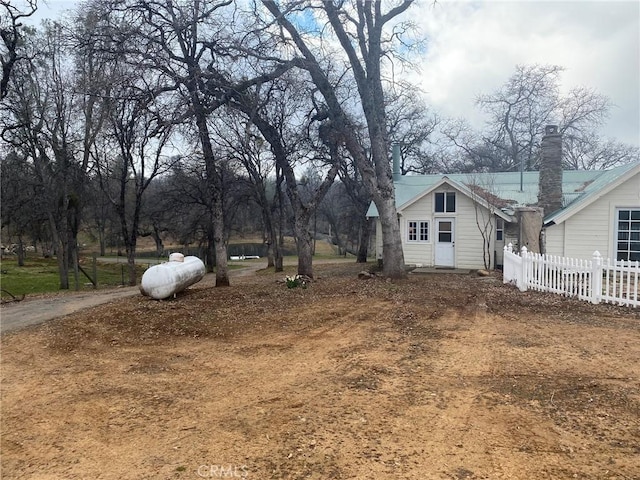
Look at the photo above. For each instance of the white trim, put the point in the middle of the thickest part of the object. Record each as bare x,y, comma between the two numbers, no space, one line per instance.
501,230
581,203
444,202
616,220
437,242
418,226
460,188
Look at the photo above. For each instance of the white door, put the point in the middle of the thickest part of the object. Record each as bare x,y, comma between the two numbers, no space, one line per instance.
445,242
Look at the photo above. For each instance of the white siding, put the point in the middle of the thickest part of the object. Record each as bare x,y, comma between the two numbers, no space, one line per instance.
554,240
593,228
468,239
418,252
468,236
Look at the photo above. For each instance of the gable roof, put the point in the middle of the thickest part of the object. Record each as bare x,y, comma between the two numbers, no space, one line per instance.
472,190
603,184
503,189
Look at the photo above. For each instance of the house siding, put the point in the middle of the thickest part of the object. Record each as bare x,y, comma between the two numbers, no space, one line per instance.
468,239
468,236
418,253
378,239
593,228
554,240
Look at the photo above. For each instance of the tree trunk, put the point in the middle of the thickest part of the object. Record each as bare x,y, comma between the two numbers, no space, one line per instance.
130,247
392,255
280,242
63,268
158,241
20,251
75,264
275,249
210,252
61,253
214,183
270,233
304,243
333,225
363,241
270,256
222,268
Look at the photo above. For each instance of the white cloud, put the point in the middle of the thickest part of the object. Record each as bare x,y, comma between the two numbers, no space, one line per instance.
473,48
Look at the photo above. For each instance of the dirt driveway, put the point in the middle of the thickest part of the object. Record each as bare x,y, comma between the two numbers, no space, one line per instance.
35,310
434,377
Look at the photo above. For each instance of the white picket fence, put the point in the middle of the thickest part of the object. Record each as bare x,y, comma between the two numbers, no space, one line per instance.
594,280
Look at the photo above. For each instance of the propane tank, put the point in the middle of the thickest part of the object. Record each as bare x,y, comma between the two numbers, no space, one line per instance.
166,279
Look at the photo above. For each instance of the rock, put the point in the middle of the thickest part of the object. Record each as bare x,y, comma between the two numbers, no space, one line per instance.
484,273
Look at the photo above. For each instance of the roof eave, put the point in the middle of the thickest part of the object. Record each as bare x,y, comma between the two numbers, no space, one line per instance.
584,201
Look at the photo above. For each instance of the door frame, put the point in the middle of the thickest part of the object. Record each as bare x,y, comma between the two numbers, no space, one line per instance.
437,243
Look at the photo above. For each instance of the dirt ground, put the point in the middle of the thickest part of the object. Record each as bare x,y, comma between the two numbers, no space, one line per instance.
434,377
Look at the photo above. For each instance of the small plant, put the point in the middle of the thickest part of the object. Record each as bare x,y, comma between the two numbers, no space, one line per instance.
295,281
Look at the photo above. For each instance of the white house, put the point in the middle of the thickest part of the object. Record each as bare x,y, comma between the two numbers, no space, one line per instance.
603,216
464,220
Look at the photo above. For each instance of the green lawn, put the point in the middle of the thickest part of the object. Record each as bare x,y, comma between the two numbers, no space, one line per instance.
40,275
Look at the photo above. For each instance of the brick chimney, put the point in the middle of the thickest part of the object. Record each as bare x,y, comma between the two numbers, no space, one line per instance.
550,183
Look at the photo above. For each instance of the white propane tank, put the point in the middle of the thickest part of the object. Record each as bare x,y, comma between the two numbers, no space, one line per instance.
166,279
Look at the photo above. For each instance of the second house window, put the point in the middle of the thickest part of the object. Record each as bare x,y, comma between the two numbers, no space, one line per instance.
445,202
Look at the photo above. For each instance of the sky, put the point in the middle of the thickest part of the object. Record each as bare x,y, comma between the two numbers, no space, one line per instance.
473,48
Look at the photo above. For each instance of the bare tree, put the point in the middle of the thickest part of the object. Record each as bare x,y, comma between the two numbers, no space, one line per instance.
10,32
99,215
412,127
20,204
276,124
469,151
193,46
588,151
140,140
41,123
186,190
247,147
343,218
361,34
529,100
519,111
361,199
484,204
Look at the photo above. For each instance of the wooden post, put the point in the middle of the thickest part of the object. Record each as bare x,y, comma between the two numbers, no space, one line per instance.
95,270
522,274
596,278
506,264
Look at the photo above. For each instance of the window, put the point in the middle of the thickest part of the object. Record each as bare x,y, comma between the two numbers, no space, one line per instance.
499,229
445,202
445,231
628,235
418,231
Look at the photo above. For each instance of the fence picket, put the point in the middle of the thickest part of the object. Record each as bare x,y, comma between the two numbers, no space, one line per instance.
596,280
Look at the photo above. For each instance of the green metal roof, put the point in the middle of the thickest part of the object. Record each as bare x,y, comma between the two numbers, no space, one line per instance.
600,185
505,187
